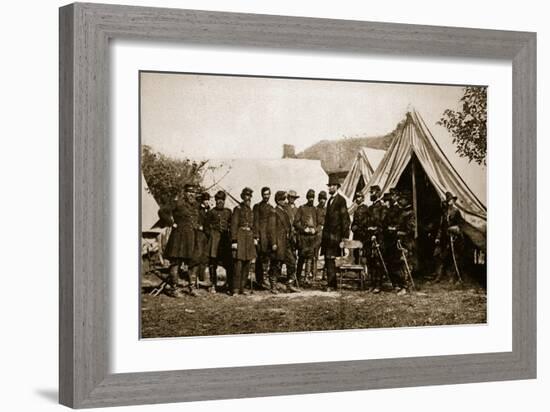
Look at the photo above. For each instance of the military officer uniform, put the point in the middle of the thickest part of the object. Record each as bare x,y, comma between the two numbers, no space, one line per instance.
242,235
262,212
307,226
405,235
359,224
449,228
280,235
321,212
375,244
218,225
183,216
392,255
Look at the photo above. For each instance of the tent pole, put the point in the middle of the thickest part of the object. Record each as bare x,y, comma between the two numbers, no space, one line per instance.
415,205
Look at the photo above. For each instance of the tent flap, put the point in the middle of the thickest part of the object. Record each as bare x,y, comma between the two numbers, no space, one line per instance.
416,138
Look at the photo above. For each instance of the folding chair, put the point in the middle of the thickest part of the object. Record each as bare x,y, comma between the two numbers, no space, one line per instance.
352,260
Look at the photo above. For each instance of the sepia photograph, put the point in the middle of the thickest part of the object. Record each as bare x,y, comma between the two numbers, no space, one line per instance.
278,205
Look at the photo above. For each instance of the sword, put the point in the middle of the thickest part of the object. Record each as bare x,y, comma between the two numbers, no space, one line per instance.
377,247
408,269
454,257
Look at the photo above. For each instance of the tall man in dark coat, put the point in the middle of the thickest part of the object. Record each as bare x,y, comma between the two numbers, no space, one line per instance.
262,212
244,244
307,226
449,231
183,216
280,235
218,228
335,229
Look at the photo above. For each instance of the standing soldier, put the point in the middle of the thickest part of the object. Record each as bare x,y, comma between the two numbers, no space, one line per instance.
244,244
218,225
335,229
291,207
448,240
392,254
307,226
183,216
280,237
200,255
359,224
321,212
406,242
374,249
262,212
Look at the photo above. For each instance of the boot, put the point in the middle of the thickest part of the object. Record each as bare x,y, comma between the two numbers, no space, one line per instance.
212,270
173,278
192,280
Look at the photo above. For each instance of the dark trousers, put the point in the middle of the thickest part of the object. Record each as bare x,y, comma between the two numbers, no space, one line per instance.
330,265
242,268
261,266
227,264
289,261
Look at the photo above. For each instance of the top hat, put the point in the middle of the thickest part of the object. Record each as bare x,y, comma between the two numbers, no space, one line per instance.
333,180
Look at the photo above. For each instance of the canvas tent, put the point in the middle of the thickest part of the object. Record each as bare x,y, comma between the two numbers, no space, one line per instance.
415,161
362,169
231,175
149,207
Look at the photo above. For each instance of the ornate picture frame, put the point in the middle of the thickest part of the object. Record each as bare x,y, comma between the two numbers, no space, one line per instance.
85,32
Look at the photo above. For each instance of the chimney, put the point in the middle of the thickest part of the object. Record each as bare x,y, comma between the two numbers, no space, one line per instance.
289,151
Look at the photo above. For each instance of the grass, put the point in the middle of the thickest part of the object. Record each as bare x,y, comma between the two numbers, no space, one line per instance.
310,310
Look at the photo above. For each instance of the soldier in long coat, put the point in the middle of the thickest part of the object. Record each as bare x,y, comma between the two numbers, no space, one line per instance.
449,230
280,237
307,227
244,244
375,244
199,261
262,213
218,228
183,216
335,229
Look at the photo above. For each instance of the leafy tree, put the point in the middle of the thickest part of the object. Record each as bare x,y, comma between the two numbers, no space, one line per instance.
469,126
166,176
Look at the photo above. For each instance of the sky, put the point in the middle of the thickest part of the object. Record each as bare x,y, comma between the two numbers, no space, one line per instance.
220,117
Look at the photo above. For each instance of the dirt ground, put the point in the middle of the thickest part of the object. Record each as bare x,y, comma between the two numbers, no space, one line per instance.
310,310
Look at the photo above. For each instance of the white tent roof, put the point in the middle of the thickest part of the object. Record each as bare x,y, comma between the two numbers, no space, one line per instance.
149,207
232,175
366,162
416,138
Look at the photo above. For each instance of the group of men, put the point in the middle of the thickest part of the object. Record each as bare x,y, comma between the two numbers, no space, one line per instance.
294,236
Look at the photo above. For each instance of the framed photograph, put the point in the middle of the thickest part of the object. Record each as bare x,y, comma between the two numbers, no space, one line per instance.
283,205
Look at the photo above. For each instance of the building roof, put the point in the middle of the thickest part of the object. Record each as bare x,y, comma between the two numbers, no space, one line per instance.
338,155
